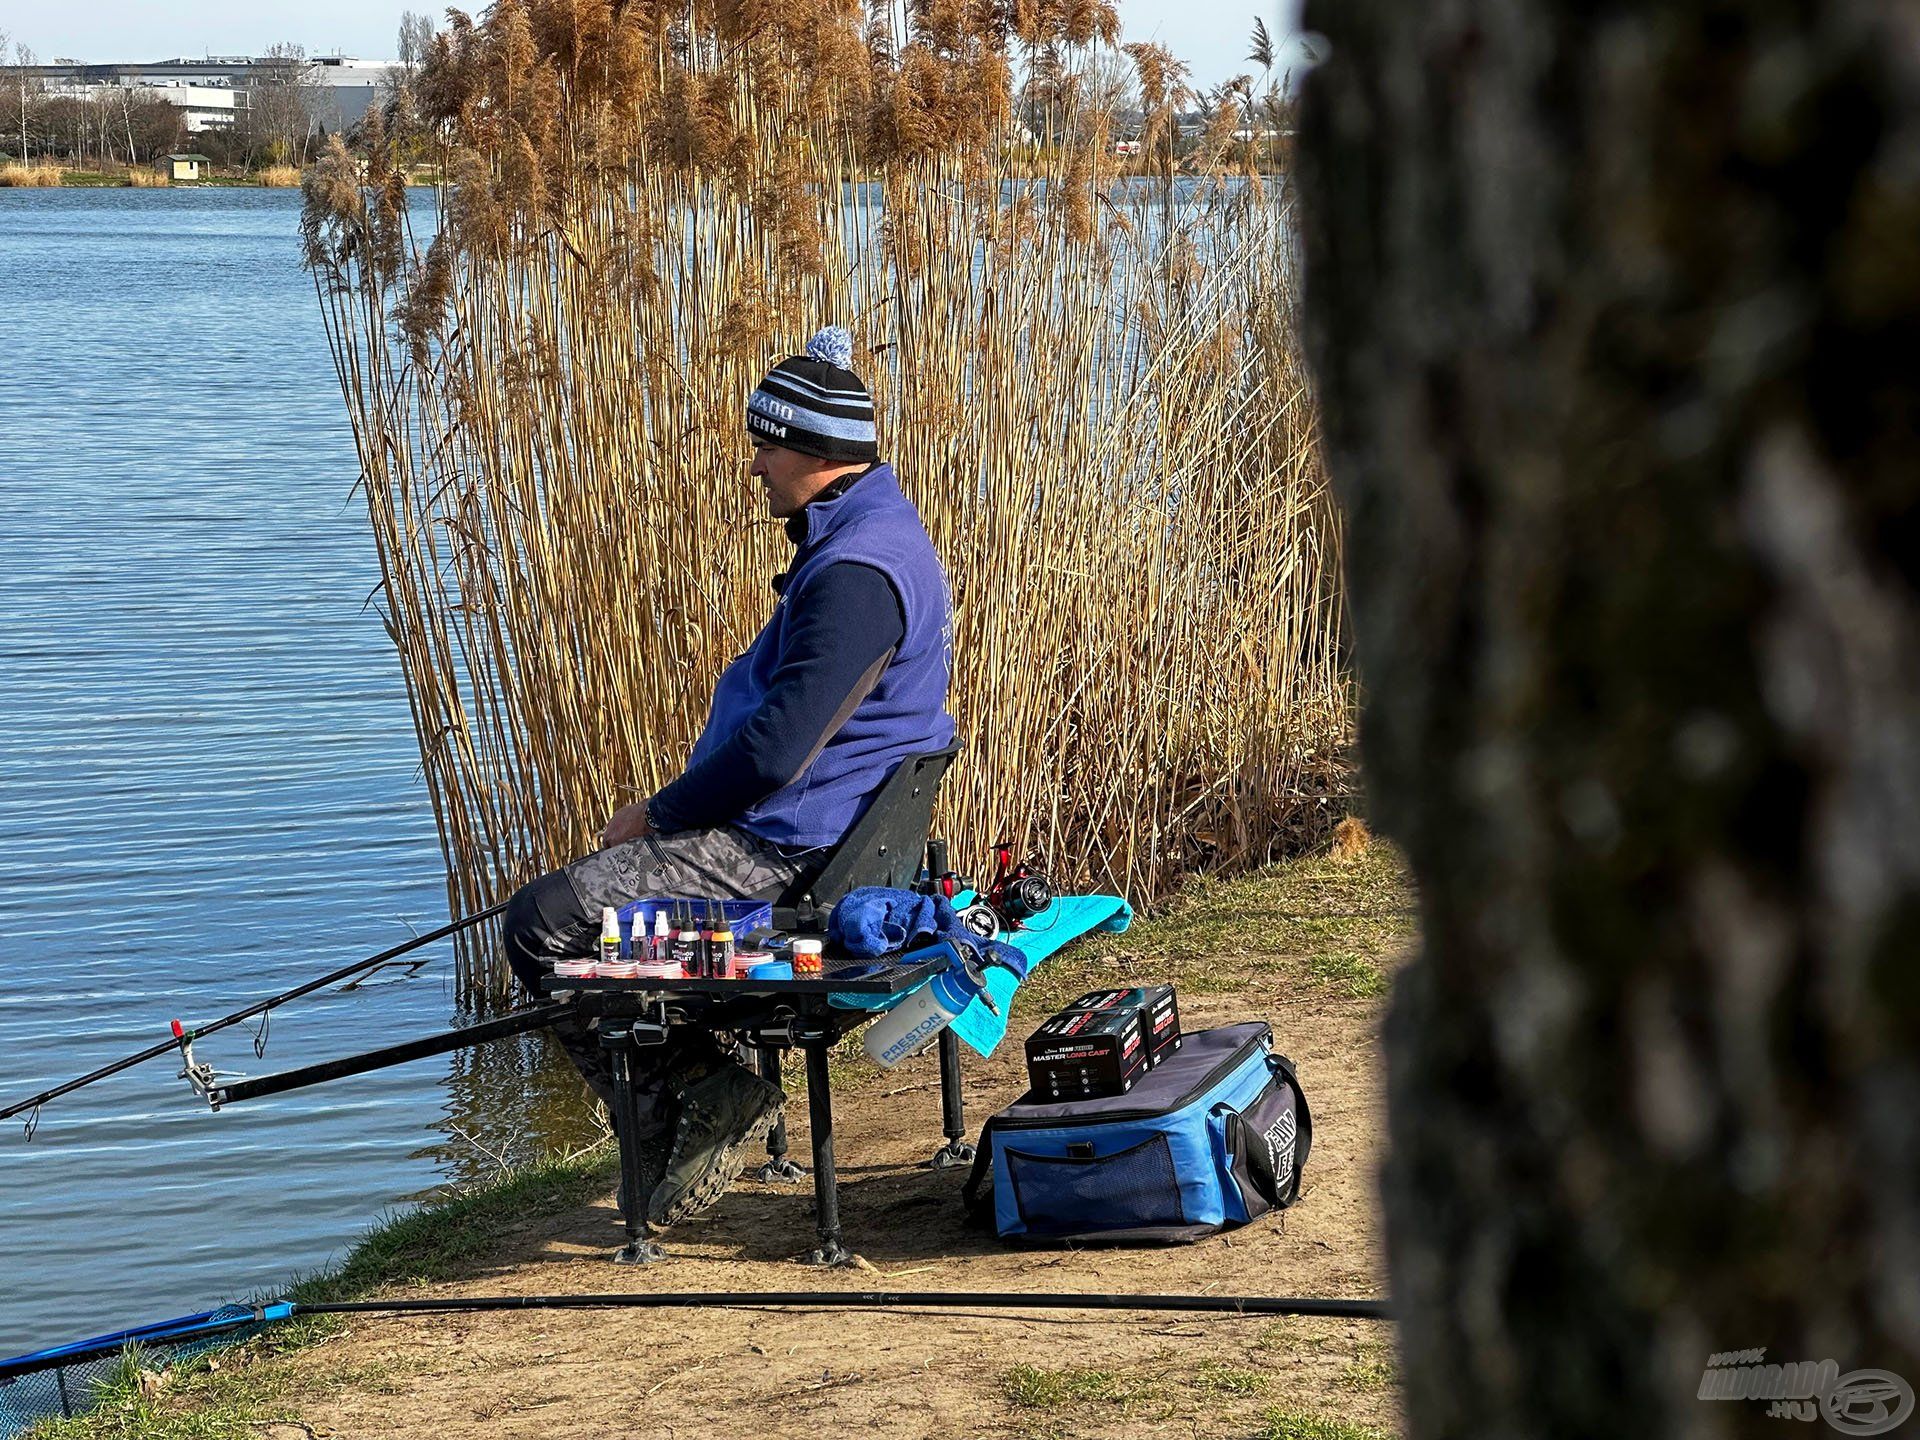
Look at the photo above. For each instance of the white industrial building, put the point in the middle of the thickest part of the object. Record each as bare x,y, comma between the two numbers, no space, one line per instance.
212,93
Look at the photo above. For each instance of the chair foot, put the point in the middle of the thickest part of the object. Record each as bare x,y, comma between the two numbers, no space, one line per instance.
829,1253
639,1252
950,1156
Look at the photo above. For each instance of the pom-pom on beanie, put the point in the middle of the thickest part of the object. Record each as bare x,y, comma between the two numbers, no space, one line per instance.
814,404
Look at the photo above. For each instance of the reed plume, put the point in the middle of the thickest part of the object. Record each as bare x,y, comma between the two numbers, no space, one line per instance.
1089,384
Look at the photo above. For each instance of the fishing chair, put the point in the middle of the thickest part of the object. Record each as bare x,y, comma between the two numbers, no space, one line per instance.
885,847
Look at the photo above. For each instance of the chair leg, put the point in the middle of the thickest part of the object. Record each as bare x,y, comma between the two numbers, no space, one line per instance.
778,1167
953,1120
638,1250
826,1182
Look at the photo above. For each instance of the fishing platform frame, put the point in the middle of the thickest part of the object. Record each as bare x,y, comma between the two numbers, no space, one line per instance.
769,1016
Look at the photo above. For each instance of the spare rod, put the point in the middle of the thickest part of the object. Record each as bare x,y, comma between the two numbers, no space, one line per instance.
256,1086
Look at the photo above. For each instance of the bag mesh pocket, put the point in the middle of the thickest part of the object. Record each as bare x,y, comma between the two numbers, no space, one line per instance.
1064,1194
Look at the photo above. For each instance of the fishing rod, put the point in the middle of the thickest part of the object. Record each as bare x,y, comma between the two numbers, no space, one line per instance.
197,1328
182,1038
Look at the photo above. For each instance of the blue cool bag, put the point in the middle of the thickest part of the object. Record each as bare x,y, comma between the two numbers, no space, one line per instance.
1213,1136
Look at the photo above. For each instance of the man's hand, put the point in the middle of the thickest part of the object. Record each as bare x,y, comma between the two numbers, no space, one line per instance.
629,822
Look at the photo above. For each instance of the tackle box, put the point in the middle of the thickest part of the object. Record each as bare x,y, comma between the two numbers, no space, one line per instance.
1159,1014
1083,1054
1214,1136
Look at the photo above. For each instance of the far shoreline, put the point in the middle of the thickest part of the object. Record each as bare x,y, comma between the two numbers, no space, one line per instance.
15,176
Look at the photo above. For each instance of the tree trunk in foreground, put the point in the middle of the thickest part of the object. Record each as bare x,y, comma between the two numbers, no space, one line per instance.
1616,317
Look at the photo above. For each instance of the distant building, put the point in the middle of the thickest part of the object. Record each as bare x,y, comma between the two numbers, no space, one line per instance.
212,94
181,167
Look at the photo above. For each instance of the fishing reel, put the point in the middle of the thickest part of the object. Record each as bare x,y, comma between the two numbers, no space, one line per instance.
1018,892
978,918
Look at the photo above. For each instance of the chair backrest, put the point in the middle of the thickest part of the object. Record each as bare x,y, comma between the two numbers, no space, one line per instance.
885,847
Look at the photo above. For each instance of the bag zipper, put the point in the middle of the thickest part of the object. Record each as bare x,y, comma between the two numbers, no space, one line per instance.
1262,1040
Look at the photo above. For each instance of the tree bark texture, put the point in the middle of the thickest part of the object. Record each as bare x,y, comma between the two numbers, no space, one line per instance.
1615,313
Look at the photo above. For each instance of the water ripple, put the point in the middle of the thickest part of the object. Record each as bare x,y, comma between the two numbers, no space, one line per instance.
208,784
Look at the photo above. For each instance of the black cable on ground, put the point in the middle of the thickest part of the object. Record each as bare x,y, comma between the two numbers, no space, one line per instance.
866,1300
198,1331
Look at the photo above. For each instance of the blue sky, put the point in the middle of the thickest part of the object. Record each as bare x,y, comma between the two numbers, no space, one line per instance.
1211,34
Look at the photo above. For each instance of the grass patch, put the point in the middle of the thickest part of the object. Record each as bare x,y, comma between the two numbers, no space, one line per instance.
197,1402
1372,1369
445,1239
1216,1378
1369,1375
212,1398
1317,921
1032,1388
1293,1338
1343,970
232,1395
1279,1424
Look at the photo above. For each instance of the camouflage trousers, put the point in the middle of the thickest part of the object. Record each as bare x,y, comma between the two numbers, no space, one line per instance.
558,916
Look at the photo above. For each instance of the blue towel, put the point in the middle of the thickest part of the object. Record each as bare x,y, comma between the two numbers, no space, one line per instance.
1068,918
875,920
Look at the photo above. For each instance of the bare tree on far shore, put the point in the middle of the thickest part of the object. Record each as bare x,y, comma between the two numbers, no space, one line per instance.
24,91
283,105
414,43
416,38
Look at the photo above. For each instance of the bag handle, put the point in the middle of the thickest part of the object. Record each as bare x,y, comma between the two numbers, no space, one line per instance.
1303,1140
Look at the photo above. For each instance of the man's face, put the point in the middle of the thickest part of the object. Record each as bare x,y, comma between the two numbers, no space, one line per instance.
789,478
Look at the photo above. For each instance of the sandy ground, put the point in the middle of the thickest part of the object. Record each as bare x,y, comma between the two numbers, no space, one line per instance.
725,1373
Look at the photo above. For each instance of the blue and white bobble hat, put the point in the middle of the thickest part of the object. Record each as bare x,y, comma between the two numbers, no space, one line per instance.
814,404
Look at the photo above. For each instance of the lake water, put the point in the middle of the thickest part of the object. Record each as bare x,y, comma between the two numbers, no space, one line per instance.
209,789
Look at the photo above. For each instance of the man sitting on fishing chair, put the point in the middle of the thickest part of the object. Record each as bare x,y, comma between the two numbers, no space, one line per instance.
848,678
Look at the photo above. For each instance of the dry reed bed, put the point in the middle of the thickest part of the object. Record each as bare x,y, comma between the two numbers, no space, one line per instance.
16,175
1089,385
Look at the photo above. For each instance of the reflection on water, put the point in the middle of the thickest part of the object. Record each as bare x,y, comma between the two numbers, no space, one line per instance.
507,1103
